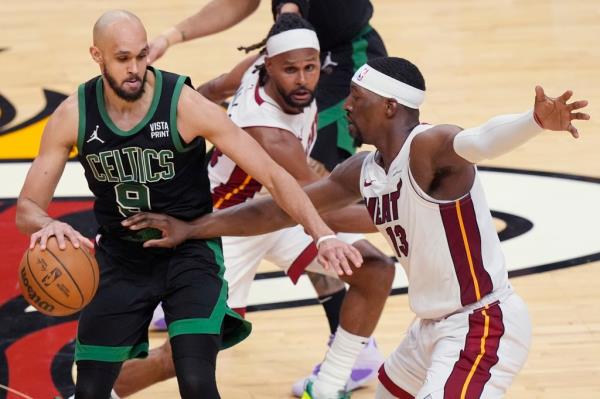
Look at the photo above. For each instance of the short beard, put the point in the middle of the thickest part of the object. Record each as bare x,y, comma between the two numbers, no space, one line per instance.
125,95
290,101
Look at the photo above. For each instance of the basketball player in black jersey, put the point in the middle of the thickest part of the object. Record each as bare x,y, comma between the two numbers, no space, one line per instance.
140,137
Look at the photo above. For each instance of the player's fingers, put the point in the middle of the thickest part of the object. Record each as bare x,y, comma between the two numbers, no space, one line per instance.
158,243
148,220
333,261
143,224
85,241
134,219
582,116
44,239
573,130
577,105
539,94
73,236
60,237
34,239
354,256
323,261
565,96
345,266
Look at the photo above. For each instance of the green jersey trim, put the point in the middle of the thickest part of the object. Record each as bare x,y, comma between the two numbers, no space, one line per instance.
236,329
359,48
110,353
144,121
175,136
82,116
335,113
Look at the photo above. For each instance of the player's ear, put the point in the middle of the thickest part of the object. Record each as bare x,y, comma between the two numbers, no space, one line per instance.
96,54
268,64
391,107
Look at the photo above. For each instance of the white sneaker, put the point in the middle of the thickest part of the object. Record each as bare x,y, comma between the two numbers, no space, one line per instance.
113,395
364,370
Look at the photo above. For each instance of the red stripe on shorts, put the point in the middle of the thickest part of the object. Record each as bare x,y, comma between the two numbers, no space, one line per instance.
301,262
391,386
472,369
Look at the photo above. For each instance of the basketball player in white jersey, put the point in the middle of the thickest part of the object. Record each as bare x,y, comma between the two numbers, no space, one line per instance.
274,103
472,332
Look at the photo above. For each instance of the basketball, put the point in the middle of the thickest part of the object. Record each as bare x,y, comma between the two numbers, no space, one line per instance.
58,282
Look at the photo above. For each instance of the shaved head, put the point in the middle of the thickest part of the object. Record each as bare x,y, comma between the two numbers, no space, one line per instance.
121,49
114,24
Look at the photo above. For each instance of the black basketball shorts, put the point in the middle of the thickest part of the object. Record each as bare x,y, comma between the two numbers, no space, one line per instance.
133,280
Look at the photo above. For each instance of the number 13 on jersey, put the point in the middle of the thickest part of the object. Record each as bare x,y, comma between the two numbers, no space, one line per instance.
398,239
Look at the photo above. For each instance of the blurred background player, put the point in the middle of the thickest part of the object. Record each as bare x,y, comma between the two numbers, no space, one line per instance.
275,105
347,41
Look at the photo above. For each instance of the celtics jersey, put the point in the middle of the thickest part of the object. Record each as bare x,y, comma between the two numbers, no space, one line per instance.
148,168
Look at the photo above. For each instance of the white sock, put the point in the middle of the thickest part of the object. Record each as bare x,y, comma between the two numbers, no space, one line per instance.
337,366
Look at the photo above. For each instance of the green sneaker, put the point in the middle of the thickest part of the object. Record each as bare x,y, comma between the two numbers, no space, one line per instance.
309,395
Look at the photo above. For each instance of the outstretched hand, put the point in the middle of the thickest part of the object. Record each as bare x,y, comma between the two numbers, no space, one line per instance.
556,114
339,256
174,231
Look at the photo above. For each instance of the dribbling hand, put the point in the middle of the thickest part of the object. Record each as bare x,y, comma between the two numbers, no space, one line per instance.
339,256
60,230
556,114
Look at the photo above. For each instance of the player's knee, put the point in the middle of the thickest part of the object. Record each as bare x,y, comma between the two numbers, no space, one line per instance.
387,269
198,382
95,379
380,269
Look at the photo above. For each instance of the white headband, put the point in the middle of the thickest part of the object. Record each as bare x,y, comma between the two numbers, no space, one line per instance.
292,40
385,86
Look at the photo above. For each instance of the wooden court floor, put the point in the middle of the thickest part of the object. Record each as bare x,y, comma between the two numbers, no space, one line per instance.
480,58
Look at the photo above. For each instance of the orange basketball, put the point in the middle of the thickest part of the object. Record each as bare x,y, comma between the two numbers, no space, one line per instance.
58,282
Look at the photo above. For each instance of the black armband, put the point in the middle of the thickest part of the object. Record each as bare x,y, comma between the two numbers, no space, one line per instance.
303,5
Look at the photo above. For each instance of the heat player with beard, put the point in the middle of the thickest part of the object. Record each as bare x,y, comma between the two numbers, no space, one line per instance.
274,103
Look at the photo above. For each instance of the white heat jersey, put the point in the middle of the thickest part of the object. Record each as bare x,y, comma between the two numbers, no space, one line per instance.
251,106
449,249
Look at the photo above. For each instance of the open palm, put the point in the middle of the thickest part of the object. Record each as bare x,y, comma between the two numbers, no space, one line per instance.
556,113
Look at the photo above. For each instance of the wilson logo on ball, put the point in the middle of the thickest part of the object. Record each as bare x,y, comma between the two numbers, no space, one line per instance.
58,282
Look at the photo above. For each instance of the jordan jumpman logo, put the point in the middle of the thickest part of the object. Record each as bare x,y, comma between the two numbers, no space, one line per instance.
95,136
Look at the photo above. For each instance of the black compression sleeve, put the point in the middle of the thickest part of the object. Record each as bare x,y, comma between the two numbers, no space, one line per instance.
95,379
